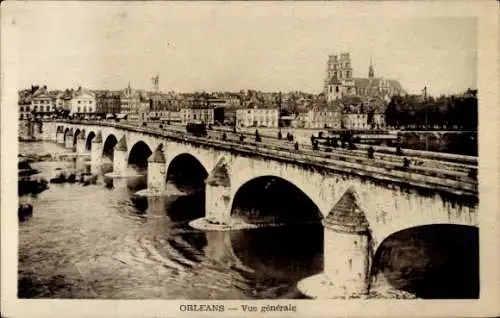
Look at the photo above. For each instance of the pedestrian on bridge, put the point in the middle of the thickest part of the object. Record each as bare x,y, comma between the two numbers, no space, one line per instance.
296,146
399,152
315,144
257,136
406,162
371,151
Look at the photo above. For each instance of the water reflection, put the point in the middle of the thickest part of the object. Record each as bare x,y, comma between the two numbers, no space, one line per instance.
265,250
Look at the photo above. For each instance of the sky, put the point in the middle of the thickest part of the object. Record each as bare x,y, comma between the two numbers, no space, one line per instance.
234,46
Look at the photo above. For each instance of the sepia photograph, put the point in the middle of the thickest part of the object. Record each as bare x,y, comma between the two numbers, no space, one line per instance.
216,153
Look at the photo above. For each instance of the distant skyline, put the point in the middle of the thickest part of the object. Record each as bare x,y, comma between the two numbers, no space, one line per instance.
234,46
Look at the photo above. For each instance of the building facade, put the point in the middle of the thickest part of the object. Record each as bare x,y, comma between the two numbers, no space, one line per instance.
129,101
378,121
257,117
355,121
107,103
203,114
24,104
83,103
59,101
323,118
42,102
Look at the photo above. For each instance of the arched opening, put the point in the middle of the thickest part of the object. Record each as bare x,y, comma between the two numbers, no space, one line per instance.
285,253
59,130
438,261
138,162
67,133
109,147
108,154
270,199
138,156
88,142
75,137
187,175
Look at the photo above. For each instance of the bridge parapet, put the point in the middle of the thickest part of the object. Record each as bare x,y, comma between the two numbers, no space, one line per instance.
457,181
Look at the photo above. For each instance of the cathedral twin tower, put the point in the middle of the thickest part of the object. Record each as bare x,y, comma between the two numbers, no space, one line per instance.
339,81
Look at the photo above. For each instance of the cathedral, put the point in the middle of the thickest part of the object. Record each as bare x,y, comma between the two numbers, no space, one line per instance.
340,83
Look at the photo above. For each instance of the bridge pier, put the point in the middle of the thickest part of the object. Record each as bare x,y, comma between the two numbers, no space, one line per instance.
80,144
120,158
157,182
218,194
47,131
68,143
347,254
38,131
96,154
217,199
60,137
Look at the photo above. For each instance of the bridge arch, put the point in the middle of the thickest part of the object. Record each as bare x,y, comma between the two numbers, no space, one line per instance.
88,141
430,261
186,171
395,208
271,198
68,133
109,146
138,156
59,130
77,134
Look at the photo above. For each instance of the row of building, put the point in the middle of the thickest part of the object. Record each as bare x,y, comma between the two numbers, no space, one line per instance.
85,103
346,102
313,118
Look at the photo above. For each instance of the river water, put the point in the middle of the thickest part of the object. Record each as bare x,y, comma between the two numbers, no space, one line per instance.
102,241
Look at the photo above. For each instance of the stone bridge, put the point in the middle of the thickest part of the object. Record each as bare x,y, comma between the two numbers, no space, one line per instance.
361,203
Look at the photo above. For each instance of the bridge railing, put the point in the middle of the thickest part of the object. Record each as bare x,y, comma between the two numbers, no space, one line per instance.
377,168
431,155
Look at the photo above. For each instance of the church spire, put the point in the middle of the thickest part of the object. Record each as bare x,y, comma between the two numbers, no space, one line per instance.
371,72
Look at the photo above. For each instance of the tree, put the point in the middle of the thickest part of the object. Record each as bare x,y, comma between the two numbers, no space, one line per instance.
370,119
